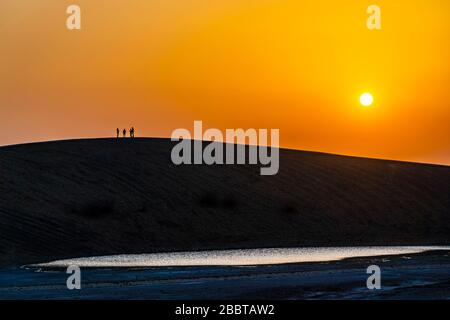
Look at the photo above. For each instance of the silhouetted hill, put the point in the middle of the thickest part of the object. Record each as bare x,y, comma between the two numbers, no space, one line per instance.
108,196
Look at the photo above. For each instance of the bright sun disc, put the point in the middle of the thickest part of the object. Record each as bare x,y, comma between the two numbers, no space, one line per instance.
366,99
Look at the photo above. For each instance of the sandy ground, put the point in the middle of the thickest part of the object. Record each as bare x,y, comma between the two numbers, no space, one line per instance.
94,197
416,276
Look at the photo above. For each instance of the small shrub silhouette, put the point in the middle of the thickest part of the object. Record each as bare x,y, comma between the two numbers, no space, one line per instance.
95,208
211,200
230,202
290,209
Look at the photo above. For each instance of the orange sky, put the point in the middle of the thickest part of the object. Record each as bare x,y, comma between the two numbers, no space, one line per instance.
299,66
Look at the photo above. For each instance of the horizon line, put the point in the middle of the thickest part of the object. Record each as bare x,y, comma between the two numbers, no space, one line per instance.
280,148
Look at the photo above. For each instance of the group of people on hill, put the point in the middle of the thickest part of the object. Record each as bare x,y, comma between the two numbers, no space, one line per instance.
124,132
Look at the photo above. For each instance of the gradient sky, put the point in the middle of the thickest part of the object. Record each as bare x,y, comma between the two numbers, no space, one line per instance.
299,66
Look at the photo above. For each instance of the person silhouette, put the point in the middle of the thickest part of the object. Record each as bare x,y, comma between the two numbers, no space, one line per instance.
118,132
132,132
124,132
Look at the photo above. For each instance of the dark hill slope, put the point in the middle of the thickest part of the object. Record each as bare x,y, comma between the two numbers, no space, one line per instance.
106,196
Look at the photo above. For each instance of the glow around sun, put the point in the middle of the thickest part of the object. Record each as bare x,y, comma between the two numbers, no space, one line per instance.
366,99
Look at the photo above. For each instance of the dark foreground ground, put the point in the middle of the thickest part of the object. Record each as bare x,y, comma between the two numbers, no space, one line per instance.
417,276
96,197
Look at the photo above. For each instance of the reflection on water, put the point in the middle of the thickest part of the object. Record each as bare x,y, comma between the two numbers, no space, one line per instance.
238,257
